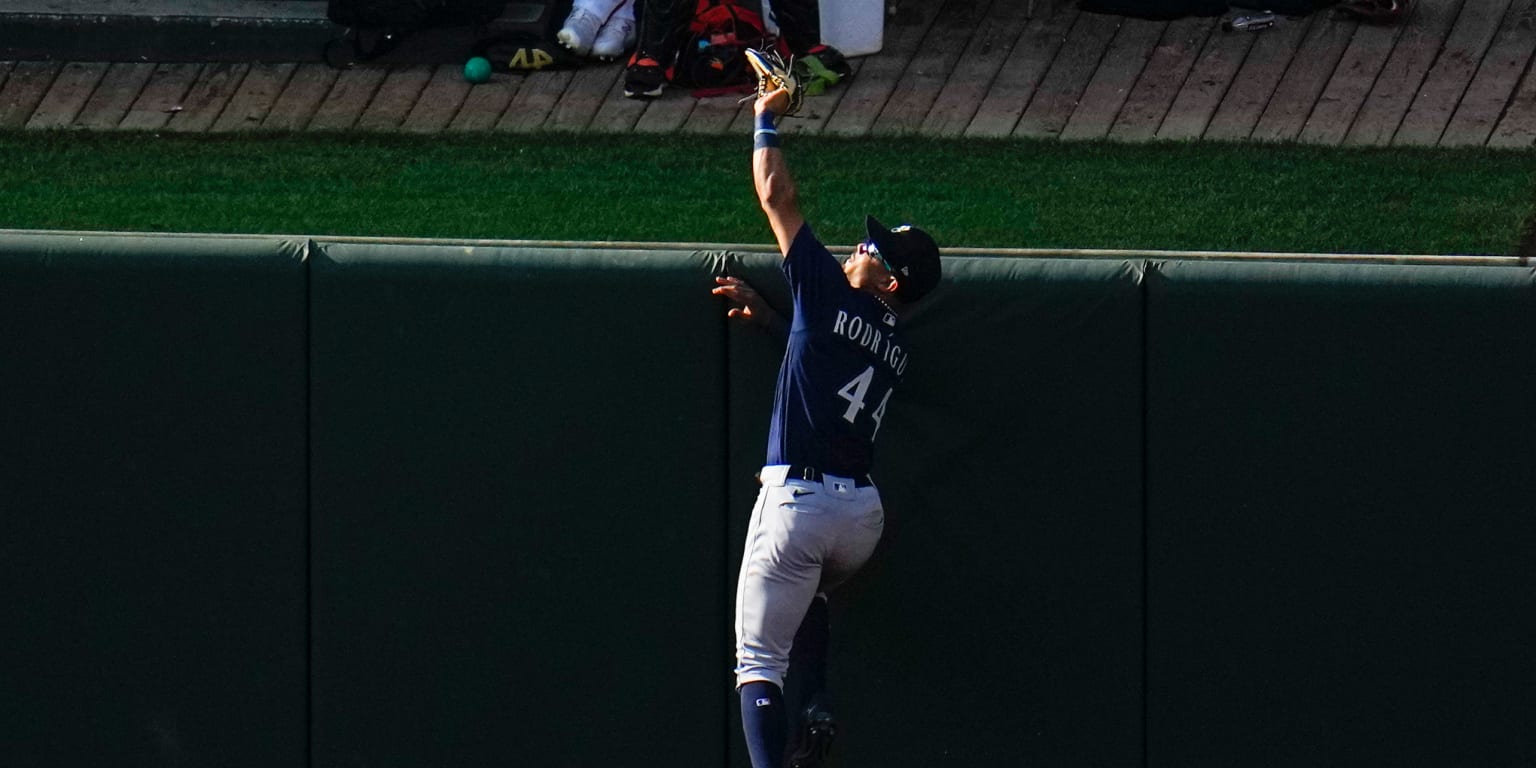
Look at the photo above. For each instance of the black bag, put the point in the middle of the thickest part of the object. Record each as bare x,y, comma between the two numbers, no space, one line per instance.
713,54
524,52
376,27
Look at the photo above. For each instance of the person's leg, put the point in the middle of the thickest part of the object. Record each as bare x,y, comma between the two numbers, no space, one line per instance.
583,23
811,708
808,656
764,723
799,23
618,33
780,573
661,24
861,521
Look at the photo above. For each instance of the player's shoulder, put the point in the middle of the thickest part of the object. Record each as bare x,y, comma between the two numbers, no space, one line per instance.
806,244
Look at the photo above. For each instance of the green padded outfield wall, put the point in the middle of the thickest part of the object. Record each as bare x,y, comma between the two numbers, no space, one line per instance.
152,489
529,475
1341,515
518,469
999,622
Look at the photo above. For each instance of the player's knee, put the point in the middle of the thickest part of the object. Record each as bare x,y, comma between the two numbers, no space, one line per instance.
759,674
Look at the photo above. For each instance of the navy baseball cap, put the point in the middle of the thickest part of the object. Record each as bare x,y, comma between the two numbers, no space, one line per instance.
911,253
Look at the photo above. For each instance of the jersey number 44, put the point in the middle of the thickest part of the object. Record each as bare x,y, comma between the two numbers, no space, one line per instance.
856,391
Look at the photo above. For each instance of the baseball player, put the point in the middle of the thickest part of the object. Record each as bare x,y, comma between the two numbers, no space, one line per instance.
818,514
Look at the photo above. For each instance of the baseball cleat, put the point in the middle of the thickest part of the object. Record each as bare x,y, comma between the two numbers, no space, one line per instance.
580,31
815,740
643,78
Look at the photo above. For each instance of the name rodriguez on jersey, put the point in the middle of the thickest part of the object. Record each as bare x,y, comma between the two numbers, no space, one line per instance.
866,335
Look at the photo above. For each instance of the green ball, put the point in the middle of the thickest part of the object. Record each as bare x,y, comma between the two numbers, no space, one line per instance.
477,70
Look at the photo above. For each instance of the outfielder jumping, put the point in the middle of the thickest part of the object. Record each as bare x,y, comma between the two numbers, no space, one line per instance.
818,514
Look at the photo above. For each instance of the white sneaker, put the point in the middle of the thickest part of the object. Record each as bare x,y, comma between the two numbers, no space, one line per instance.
579,31
614,39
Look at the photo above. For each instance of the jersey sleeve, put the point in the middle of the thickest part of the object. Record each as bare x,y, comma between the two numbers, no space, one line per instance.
815,278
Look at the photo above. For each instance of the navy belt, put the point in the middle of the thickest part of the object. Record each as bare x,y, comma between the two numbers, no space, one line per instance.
799,472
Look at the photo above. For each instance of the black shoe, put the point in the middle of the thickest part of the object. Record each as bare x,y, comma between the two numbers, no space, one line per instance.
815,740
644,78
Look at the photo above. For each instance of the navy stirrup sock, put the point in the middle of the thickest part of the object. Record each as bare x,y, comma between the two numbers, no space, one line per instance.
764,722
808,656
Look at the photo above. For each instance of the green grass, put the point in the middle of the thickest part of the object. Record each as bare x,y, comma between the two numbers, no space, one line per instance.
697,189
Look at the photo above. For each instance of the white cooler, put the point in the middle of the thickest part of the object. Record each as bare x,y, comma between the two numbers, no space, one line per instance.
855,27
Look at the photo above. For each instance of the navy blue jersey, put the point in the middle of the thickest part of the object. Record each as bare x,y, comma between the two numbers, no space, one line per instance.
844,359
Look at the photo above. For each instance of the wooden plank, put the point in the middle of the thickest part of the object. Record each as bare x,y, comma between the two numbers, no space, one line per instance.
534,100
1117,74
208,97
300,97
1399,80
867,94
919,84
978,66
485,103
116,92
68,95
813,117
1517,128
715,114
1058,94
348,97
617,113
24,89
584,96
668,113
1160,81
1019,79
1304,81
1352,80
395,97
162,97
439,101
1453,70
1254,84
1205,87
253,101
1495,81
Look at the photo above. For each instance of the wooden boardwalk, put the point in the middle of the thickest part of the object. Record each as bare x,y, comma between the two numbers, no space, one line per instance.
1458,73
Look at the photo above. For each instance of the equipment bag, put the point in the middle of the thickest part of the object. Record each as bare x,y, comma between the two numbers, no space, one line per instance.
524,52
376,27
713,54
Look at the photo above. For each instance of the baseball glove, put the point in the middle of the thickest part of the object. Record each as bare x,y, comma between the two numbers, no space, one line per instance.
774,73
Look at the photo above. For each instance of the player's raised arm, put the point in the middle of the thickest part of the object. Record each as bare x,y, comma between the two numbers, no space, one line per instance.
775,189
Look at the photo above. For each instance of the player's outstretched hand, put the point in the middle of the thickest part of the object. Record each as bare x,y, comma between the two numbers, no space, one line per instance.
745,303
775,102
